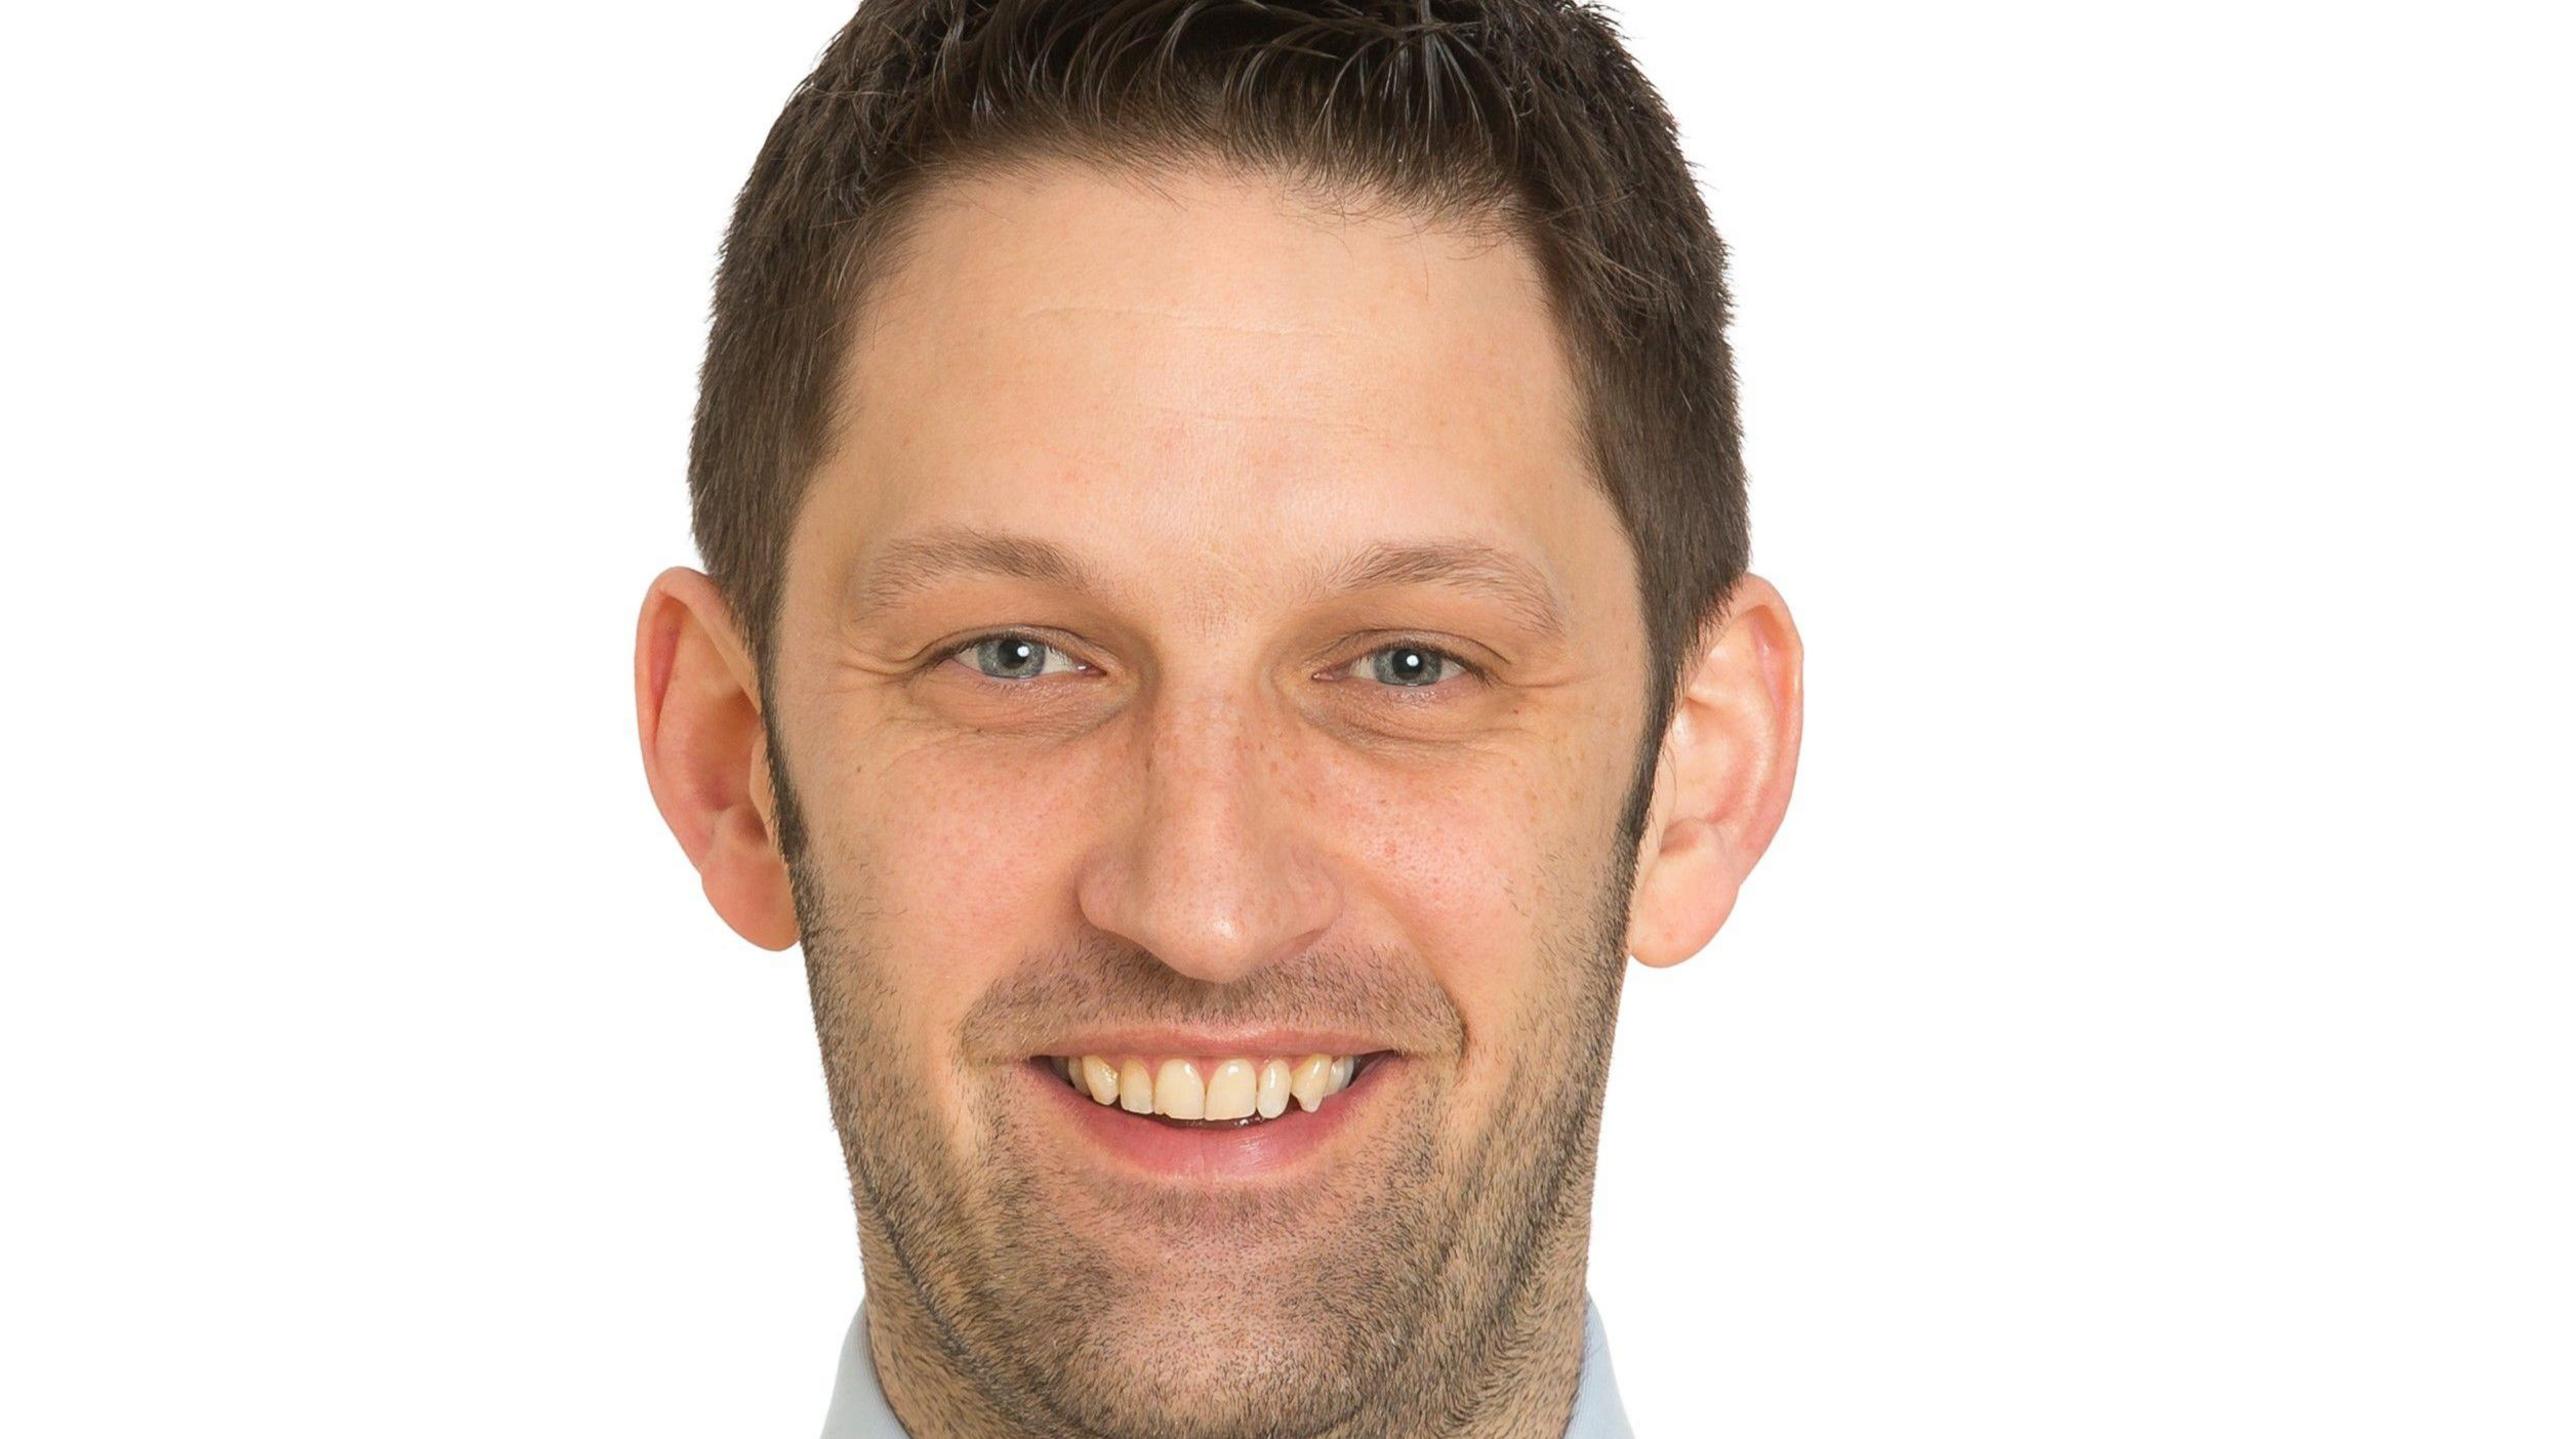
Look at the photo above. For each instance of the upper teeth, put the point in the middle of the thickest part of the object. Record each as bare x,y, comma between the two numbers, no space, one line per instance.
1184,1088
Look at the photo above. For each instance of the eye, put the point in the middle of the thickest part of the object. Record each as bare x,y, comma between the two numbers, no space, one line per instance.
1014,658
1017,658
1410,664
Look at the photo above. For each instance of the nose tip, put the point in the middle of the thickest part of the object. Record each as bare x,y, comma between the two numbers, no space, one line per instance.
1214,909
1212,871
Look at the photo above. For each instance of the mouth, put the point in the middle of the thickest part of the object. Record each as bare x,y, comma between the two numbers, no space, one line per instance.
1236,1092
1191,1120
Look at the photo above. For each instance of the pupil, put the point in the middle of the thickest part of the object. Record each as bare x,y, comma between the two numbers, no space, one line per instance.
1014,651
1407,662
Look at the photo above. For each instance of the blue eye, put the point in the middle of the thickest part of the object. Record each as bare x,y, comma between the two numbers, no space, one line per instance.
1011,657
1411,666
1012,654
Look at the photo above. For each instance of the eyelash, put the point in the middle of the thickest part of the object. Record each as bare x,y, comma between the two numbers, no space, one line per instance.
948,652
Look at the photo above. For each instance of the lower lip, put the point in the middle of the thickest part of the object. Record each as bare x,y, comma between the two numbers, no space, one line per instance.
1139,1145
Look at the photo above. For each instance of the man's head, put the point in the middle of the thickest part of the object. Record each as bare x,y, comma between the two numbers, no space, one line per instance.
1226,543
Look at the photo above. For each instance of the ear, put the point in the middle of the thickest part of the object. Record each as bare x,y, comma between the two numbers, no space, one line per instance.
1726,770
702,740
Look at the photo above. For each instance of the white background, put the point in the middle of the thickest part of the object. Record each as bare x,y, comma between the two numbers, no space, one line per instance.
2143,1024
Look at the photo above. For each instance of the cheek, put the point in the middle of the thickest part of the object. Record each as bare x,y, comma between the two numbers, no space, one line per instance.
972,840
970,853
958,869
1459,866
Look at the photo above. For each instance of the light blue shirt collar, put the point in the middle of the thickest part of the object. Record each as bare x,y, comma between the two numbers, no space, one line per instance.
861,1411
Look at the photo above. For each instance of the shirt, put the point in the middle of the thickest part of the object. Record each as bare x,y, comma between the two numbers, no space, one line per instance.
861,1411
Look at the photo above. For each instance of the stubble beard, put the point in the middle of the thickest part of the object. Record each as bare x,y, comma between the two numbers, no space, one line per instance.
1403,1322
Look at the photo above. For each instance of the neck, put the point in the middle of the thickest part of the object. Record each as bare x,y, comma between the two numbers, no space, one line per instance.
925,1388
1525,1384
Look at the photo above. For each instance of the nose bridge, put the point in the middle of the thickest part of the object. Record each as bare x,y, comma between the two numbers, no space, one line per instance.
1210,870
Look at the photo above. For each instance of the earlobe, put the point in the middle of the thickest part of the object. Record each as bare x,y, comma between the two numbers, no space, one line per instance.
1723,779
702,741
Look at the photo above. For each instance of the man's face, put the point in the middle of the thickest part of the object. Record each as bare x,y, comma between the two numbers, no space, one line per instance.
1210,808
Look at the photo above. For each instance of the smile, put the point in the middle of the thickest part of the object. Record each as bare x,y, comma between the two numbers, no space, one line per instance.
1189,1119
1231,1092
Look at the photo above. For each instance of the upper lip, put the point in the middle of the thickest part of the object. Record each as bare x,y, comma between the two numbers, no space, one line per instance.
1161,1040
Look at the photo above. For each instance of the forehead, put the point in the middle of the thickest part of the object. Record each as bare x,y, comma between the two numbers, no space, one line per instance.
1204,377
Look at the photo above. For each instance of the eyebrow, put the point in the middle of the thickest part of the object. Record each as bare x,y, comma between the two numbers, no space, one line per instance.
908,566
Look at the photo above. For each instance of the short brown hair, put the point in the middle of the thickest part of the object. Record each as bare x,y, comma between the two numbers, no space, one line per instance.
1526,117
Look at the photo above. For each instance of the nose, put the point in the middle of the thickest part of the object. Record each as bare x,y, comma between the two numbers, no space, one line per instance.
1209,863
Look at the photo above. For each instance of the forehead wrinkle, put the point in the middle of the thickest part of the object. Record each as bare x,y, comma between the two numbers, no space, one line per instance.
1183,316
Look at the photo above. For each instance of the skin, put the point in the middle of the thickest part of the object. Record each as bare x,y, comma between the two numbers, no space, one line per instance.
1210,802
